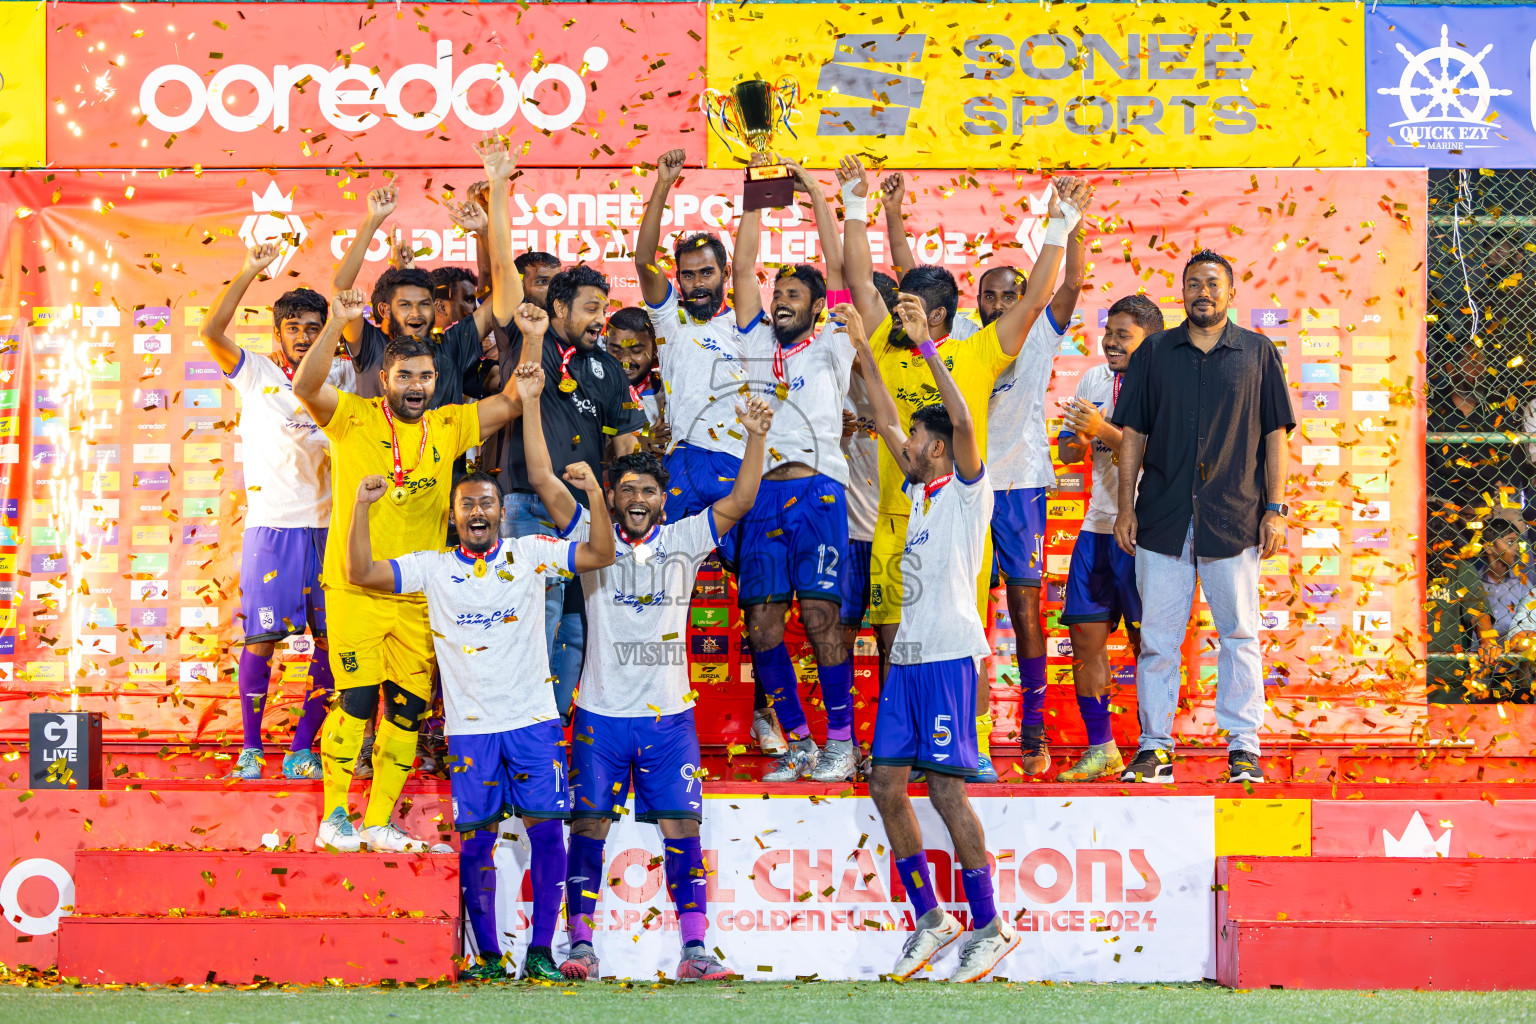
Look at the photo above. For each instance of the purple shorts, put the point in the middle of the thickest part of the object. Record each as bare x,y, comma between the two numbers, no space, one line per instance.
280,591
658,757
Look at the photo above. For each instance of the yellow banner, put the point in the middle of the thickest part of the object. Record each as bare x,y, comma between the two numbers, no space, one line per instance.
1015,85
23,95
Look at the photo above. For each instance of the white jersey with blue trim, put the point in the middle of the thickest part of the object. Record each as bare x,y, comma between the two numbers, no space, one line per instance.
637,618
1018,450
946,535
862,453
702,371
488,629
808,421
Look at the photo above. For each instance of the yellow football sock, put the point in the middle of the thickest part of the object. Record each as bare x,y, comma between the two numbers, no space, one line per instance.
341,740
394,752
984,734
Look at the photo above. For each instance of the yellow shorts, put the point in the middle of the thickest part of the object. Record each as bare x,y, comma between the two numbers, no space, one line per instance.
374,639
885,572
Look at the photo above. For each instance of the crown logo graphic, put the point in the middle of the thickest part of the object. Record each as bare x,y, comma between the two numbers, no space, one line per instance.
1416,840
272,220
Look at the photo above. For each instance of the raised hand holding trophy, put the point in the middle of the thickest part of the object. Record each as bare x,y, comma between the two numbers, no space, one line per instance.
749,115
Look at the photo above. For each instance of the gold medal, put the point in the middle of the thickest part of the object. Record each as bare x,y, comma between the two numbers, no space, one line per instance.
567,384
479,567
782,390
398,495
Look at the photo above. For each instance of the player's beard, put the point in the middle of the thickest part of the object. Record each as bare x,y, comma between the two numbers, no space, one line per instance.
399,330
798,327
987,318
1207,319
703,304
404,413
481,546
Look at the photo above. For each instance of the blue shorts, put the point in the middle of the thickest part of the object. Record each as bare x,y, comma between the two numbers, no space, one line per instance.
659,757
927,717
496,775
1101,583
698,478
856,582
1018,535
793,543
280,590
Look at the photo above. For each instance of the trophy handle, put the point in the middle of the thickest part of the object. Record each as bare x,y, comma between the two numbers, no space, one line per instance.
720,112
786,94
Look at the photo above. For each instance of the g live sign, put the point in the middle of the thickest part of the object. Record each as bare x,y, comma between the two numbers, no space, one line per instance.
343,84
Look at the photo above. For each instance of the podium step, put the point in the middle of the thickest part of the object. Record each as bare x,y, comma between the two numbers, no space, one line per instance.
187,950
310,884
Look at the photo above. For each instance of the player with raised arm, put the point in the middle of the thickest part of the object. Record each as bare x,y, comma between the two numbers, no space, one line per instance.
633,727
404,297
928,701
288,504
382,643
794,542
485,601
976,361
699,351
1101,580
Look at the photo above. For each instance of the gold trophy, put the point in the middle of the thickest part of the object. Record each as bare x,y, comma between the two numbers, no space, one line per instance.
749,115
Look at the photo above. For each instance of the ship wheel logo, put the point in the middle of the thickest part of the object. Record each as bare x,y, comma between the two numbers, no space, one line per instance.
1438,84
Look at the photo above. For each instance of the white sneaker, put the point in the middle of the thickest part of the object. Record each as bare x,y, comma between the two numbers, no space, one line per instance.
390,839
769,736
927,942
796,764
986,950
837,762
336,833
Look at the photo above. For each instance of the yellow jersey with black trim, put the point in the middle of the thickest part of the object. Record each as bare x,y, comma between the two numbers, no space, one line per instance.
360,446
975,362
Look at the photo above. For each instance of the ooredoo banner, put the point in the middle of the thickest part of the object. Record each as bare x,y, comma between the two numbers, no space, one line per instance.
330,85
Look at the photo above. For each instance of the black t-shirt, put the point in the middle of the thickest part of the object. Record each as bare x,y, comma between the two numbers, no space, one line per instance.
456,352
1205,415
577,424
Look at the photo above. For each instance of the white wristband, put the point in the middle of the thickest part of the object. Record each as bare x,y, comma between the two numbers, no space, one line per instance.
1059,229
854,207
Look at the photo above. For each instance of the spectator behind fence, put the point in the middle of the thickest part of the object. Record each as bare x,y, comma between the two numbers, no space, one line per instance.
1469,401
1456,611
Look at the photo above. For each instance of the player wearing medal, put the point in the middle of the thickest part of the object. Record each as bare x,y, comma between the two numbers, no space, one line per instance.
928,701
976,362
288,503
1101,580
382,642
700,354
795,541
633,725
506,749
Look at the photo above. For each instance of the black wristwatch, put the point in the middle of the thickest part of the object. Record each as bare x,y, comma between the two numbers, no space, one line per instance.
1282,508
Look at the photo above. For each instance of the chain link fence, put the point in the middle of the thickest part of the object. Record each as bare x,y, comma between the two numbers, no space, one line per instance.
1480,471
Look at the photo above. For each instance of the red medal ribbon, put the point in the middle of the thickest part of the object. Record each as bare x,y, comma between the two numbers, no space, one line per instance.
1115,400
479,556
931,487
394,443
565,360
781,356
288,371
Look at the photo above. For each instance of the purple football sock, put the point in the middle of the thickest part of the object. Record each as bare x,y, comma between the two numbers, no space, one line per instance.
837,694
684,860
477,877
1032,682
978,893
918,882
316,702
759,695
255,678
583,883
548,869
777,672
1095,712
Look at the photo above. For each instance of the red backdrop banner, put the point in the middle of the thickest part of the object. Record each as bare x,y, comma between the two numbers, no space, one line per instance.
123,473
325,85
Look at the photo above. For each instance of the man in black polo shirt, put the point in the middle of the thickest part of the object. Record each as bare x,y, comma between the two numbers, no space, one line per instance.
587,412
1205,412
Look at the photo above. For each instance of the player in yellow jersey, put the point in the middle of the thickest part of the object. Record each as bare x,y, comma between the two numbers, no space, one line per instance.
381,643
975,362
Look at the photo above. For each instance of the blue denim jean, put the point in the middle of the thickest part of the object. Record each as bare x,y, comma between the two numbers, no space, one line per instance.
565,634
1231,587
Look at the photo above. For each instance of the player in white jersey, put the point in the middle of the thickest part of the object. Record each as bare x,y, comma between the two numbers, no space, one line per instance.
288,505
633,725
927,716
794,544
485,601
700,354
1101,581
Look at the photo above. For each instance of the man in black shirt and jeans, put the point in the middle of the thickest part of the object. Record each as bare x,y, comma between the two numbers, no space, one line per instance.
585,406
1205,412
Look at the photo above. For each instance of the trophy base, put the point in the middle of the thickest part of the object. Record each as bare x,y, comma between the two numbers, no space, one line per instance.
767,187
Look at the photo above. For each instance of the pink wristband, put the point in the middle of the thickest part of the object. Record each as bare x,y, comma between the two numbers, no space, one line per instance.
928,350
838,295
